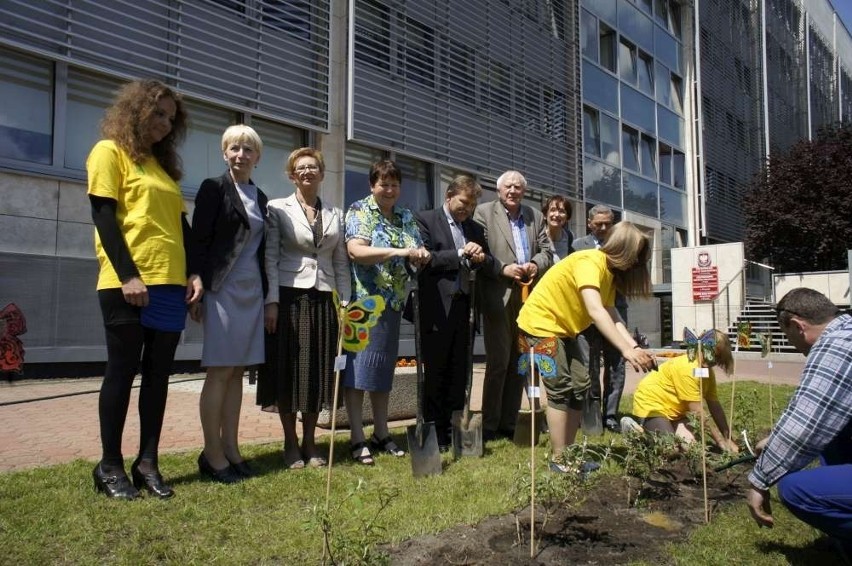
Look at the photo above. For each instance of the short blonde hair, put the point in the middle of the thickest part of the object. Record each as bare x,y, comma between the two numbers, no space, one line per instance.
290,167
239,133
628,252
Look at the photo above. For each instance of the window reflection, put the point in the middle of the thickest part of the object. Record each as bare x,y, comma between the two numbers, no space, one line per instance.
640,195
630,148
673,206
26,89
627,61
601,182
609,139
589,35
665,164
607,47
670,126
591,132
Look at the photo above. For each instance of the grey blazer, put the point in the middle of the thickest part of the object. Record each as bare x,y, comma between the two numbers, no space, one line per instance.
292,260
494,288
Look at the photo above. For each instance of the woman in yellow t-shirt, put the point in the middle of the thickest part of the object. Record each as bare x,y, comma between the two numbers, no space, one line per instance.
666,396
143,286
574,293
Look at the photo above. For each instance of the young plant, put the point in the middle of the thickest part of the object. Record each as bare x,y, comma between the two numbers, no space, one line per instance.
352,529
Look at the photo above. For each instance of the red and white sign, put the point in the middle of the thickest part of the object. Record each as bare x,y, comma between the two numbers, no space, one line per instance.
705,279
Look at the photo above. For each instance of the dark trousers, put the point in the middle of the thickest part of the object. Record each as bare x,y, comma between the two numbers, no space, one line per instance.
126,345
613,376
822,496
446,354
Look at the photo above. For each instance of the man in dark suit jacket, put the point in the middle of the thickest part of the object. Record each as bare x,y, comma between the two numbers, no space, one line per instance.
601,219
517,240
457,245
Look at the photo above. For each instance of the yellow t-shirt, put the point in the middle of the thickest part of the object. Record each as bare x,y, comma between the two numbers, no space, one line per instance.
555,307
668,390
149,209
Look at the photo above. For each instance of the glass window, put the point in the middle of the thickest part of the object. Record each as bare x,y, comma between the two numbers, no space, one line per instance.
591,132
417,192
661,12
679,170
637,108
646,5
627,61
675,23
665,164
636,25
609,139
359,159
648,154
673,206
603,8
89,95
202,150
640,195
667,49
278,142
663,81
677,93
670,126
600,88
601,182
26,120
607,47
589,35
646,73
630,148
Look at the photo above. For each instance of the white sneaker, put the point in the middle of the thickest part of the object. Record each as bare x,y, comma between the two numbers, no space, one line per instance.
629,425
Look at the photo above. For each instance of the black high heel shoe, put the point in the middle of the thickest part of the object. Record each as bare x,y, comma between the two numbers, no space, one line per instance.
225,475
243,469
115,485
152,481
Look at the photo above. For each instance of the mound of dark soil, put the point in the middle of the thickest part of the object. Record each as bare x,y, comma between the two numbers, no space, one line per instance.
603,530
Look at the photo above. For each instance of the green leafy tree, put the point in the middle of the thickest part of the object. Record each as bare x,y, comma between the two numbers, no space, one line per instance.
799,212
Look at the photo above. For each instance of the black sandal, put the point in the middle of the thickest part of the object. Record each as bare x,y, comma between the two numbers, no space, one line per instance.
387,445
361,454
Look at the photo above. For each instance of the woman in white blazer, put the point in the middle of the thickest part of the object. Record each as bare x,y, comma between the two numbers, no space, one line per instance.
306,260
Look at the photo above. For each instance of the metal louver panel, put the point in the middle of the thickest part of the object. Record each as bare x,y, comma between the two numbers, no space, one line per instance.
475,85
731,105
269,57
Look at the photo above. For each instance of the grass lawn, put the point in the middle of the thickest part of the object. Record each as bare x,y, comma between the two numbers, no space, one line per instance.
53,516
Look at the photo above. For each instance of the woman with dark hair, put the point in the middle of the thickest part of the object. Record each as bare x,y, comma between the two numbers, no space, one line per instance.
557,211
306,262
573,294
383,240
144,286
228,226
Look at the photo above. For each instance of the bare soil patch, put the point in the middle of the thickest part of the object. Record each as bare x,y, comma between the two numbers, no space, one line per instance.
603,530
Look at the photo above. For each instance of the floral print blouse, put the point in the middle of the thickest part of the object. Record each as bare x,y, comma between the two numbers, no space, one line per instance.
365,221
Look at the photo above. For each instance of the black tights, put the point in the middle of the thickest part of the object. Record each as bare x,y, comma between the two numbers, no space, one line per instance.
126,343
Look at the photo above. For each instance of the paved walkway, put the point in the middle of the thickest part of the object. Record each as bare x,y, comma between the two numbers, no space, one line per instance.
51,421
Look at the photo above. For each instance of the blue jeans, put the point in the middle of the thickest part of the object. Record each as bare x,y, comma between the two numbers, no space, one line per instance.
822,496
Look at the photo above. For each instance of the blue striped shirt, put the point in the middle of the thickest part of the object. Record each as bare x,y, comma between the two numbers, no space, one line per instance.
821,407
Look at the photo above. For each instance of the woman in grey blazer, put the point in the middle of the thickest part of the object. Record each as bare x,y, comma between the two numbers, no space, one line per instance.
306,260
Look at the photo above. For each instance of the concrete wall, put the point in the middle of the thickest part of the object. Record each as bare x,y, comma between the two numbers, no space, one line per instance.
698,316
832,284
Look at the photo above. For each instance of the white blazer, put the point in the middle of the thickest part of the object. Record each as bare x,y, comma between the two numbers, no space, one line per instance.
292,260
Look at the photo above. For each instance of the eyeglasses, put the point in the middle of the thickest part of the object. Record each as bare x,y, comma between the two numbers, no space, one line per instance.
307,169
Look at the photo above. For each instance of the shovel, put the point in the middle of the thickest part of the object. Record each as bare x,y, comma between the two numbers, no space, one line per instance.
422,438
467,428
530,421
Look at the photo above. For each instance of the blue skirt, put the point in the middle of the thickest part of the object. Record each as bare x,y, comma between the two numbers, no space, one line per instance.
372,369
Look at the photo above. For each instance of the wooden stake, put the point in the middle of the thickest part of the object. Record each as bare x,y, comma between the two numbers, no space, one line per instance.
532,451
733,389
703,438
337,367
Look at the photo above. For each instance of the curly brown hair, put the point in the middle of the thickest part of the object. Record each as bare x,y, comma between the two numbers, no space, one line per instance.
126,121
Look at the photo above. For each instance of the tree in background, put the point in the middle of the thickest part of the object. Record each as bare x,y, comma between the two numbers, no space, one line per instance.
799,213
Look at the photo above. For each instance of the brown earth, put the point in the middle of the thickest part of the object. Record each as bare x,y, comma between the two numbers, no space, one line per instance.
603,530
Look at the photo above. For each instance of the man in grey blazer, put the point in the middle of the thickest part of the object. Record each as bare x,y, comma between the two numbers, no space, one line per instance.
516,235
600,220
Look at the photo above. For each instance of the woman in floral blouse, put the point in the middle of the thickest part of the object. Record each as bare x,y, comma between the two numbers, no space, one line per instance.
383,243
